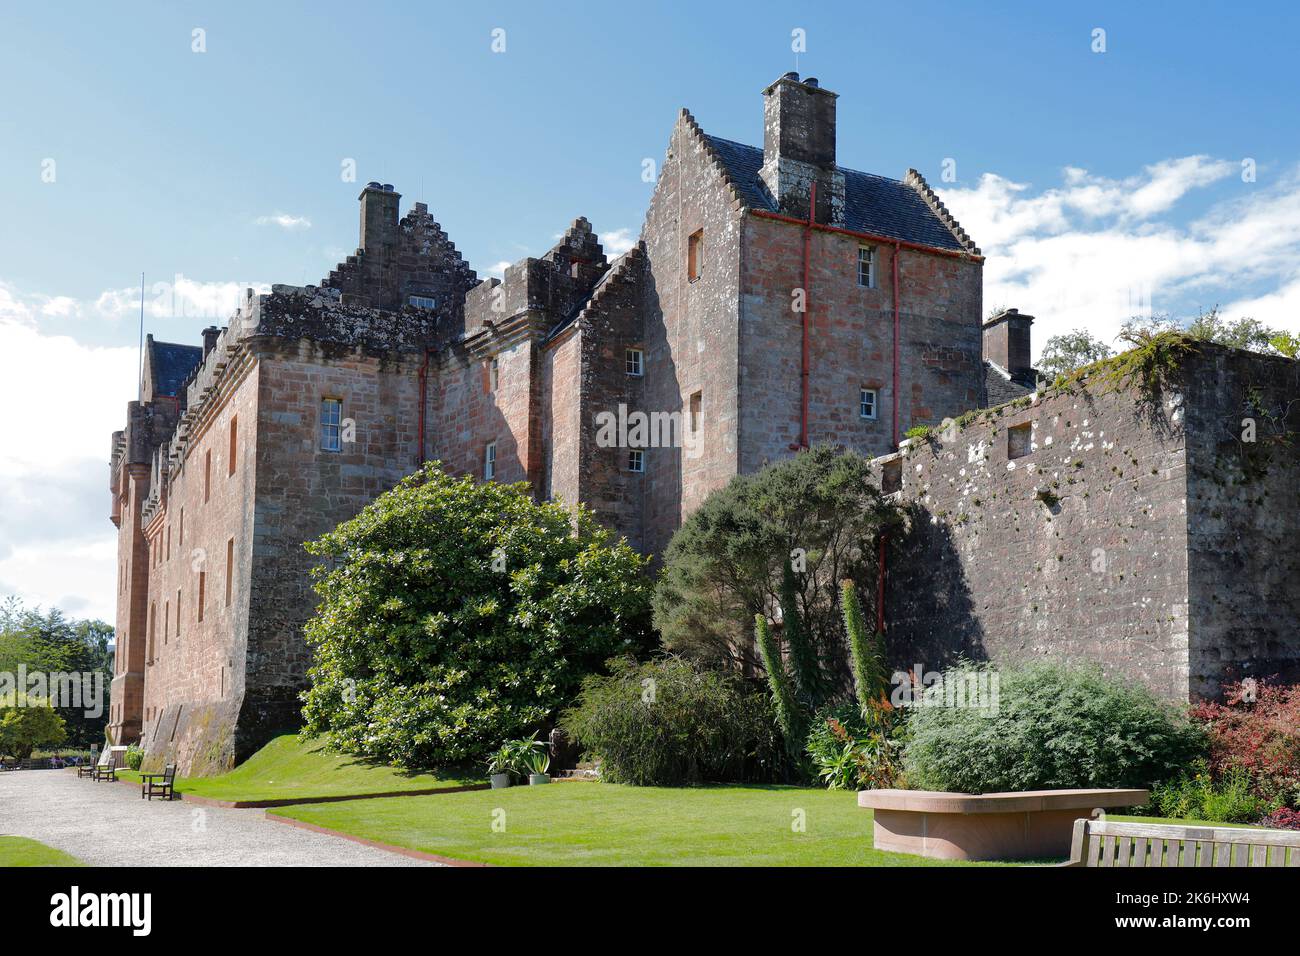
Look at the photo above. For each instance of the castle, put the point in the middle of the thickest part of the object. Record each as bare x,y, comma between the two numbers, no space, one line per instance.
774,299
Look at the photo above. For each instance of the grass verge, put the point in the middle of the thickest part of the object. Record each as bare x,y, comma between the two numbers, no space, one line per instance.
20,851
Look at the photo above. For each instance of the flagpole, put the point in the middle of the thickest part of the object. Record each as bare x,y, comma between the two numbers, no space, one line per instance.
139,374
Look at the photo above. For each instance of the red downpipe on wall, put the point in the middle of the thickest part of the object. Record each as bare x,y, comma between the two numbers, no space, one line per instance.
424,396
804,369
884,538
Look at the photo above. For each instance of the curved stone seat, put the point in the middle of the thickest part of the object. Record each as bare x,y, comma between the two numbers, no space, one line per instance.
1031,824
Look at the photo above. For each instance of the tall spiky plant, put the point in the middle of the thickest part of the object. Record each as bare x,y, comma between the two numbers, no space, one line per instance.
809,682
789,717
866,650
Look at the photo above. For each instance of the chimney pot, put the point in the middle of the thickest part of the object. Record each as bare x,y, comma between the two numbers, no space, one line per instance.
210,339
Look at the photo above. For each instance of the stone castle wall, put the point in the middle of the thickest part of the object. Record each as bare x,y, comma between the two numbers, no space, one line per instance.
1114,537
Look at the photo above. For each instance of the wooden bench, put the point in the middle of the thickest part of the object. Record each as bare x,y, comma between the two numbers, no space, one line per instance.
1023,825
1106,843
159,784
110,761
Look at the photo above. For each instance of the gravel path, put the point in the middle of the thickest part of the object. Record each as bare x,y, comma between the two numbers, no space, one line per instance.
107,824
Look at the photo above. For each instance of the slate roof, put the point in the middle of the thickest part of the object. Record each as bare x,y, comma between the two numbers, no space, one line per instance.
171,365
874,204
998,388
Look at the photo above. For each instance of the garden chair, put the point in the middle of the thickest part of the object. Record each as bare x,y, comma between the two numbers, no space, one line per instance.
159,784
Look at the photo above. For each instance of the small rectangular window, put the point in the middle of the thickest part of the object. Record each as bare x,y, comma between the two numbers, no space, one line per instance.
695,255
203,588
331,421
867,267
423,301
867,403
167,620
636,460
178,613
234,446
1019,440
494,373
490,461
207,476
230,569
696,402
634,362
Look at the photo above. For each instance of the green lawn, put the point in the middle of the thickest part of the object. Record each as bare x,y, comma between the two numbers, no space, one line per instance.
20,851
602,824
288,768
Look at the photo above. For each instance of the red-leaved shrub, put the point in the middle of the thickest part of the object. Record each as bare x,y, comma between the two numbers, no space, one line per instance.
1284,819
1257,728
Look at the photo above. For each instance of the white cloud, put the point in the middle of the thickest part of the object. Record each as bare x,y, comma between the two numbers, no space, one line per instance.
498,269
1094,251
285,221
57,545
616,242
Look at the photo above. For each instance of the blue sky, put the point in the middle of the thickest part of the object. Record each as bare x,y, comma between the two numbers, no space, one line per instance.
1092,180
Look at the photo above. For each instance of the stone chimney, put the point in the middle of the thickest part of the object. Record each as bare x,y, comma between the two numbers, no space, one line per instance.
799,148
210,335
1006,341
379,220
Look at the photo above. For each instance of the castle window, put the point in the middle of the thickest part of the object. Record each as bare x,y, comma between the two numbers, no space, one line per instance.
636,460
867,403
696,402
695,255
490,461
867,267
167,620
182,527
423,301
230,569
207,476
1019,440
634,362
169,542
203,587
331,418
234,446
178,613
494,373
153,630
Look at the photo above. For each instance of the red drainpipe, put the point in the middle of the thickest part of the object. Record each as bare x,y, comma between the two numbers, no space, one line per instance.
424,392
807,308
884,538
897,249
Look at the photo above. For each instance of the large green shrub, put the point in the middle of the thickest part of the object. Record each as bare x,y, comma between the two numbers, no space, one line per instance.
456,614
672,721
1053,726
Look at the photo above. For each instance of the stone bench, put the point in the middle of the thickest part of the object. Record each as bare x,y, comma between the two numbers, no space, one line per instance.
1033,824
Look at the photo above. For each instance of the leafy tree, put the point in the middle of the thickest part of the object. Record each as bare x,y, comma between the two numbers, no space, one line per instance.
27,723
818,511
1063,354
1211,326
456,614
50,643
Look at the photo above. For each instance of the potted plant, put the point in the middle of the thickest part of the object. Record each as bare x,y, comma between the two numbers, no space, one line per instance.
500,766
538,762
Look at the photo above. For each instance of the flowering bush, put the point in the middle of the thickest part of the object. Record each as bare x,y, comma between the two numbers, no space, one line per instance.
1199,795
849,752
1257,729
